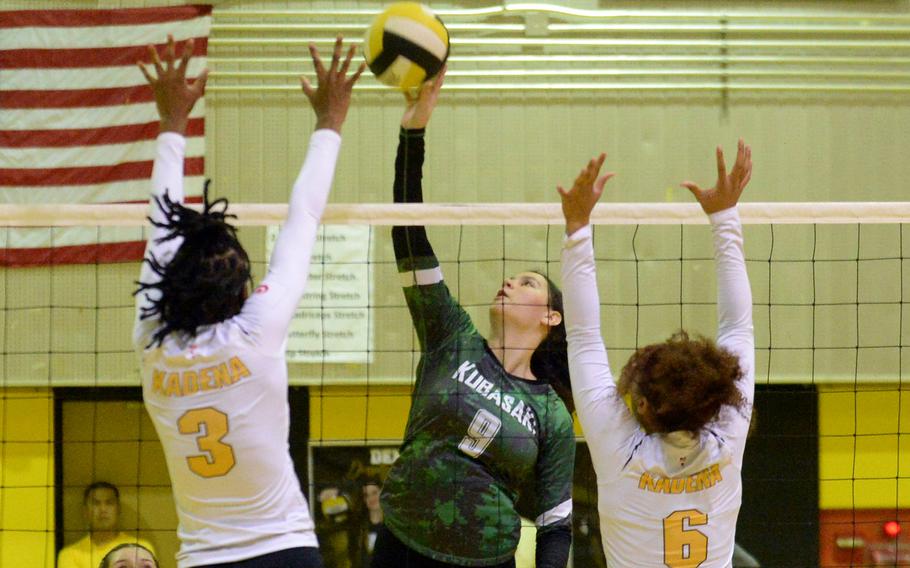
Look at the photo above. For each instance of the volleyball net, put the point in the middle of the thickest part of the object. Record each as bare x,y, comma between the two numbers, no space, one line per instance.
827,474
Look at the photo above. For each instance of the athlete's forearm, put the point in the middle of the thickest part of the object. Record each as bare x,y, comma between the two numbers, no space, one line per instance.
734,294
410,243
579,274
167,172
290,262
311,189
734,322
270,310
588,362
606,421
408,187
167,178
553,545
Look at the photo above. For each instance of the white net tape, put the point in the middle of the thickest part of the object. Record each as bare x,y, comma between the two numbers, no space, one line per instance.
476,214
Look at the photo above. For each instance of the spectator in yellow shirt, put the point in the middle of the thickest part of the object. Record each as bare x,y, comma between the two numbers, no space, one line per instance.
101,509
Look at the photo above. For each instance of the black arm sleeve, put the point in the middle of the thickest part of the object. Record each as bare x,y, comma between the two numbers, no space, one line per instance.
410,243
553,547
436,315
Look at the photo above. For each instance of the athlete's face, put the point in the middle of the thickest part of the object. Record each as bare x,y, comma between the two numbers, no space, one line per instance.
132,557
102,510
523,299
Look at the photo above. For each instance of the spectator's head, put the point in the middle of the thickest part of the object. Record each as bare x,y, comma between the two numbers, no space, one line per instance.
371,489
129,555
101,506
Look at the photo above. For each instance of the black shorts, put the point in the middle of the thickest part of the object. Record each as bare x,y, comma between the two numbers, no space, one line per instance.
390,552
303,557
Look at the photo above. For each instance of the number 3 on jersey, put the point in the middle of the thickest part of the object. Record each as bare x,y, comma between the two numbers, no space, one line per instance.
211,425
483,428
685,547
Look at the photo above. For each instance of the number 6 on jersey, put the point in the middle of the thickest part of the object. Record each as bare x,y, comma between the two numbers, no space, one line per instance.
685,547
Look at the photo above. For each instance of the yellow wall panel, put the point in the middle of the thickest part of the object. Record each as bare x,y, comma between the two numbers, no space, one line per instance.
864,449
29,509
28,417
359,413
27,548
27,464
355,413
878,412
26,477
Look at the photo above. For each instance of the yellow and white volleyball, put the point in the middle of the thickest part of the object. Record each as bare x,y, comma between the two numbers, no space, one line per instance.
406,45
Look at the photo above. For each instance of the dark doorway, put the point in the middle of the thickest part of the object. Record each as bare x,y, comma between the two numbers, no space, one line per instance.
778,522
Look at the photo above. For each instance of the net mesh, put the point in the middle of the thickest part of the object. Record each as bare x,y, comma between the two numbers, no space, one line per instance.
827,468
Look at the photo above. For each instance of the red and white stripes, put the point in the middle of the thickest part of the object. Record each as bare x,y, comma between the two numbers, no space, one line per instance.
78,121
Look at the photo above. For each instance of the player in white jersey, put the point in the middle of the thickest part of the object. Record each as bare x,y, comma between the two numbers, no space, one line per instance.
668,468
214,377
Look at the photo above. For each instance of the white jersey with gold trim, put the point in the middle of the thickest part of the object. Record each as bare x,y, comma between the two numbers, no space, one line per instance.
219,400
667,500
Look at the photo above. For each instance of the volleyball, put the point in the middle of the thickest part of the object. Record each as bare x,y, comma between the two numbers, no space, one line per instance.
406,45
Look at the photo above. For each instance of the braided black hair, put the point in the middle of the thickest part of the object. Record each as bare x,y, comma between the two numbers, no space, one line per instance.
550,361
205,282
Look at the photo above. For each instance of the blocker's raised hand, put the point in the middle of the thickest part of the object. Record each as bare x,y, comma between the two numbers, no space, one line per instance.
579,201
729,187
332,95
175,96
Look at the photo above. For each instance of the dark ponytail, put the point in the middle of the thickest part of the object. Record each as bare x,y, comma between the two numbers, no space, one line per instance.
550,361
205,282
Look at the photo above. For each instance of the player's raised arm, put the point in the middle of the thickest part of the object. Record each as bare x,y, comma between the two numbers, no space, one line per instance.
734,294
175,97
433,311
604,418
486,417
290,262
222,350
412,248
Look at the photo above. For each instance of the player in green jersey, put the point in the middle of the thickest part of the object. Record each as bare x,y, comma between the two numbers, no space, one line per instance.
488,435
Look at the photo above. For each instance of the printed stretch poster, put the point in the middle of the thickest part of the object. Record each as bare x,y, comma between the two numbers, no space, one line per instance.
332,323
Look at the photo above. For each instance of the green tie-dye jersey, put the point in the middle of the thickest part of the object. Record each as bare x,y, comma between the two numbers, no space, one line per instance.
480,443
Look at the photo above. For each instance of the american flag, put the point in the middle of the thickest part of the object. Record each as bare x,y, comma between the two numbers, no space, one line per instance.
78,122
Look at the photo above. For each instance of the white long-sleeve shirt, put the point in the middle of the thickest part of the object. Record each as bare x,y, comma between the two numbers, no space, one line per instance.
219,400
664,499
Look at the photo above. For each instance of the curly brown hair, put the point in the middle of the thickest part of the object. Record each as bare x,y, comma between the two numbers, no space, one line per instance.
685,380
